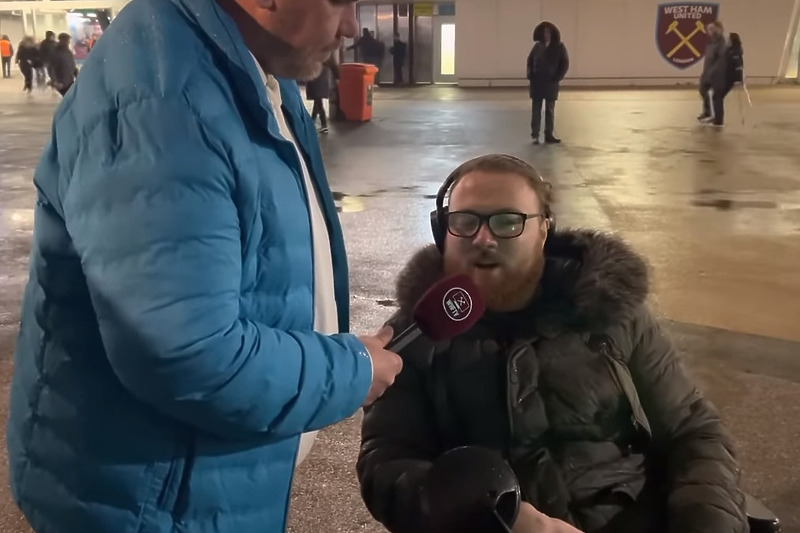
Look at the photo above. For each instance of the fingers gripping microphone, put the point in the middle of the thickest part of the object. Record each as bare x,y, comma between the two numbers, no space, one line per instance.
448,309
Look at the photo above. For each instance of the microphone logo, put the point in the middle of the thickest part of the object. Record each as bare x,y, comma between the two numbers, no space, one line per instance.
457,304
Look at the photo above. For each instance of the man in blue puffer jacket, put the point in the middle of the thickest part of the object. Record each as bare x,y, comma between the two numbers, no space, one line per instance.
186,314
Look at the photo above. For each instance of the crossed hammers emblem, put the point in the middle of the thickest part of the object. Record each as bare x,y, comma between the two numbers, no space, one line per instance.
686,40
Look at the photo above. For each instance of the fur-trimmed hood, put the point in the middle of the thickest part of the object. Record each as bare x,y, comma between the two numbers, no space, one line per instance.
555,33
591,280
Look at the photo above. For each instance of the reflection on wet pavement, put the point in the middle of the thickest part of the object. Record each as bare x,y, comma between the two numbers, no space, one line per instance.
353,203
716,213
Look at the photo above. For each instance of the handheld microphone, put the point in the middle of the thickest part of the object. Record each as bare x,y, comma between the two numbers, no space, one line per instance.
449,308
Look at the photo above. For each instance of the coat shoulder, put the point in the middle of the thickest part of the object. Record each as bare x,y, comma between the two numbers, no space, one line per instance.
138,57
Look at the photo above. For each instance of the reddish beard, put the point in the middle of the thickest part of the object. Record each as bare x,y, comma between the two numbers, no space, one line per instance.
511,291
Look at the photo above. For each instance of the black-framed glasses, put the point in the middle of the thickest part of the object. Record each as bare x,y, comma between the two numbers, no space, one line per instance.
504,225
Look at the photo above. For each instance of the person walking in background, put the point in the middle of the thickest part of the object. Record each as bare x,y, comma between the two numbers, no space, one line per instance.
735,62
39,70
548,64
27,59
399,50
713,80
735,74
380,49
46,50
6,53
64,66
319,89
369,48
38,67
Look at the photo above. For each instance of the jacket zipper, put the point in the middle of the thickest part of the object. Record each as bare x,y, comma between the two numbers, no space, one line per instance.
611,362
509,402
512,378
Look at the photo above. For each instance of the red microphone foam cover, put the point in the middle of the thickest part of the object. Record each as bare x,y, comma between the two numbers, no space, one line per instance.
449,308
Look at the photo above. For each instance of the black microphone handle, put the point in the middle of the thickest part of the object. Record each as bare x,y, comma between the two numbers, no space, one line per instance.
406,337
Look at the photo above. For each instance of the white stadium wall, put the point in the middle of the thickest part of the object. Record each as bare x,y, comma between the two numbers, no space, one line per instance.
613,42
610,42
11,24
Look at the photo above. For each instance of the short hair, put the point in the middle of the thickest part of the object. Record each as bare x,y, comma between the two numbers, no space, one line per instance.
718,24
505,164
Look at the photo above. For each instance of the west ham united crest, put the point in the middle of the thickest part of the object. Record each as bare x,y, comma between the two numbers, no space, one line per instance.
681,34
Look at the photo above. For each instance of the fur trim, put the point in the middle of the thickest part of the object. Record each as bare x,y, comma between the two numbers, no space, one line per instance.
555,33
591,278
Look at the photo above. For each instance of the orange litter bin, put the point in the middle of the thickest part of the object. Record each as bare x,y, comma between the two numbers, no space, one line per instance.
356,82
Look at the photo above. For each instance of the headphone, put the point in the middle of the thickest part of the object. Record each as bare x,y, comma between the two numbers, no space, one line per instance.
439,215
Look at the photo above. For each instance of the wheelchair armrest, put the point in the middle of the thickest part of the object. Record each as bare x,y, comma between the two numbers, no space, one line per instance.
761,519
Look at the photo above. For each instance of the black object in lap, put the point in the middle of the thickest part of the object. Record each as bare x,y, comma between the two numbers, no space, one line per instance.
471,489
761,519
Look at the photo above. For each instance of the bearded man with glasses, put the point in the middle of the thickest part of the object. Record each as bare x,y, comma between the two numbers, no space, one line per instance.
568,376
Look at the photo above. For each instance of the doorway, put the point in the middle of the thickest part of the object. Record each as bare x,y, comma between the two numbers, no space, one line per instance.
444,50
790,59
426,29
381,21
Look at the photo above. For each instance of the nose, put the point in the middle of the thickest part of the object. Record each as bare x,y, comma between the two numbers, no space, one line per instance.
348,26
484,237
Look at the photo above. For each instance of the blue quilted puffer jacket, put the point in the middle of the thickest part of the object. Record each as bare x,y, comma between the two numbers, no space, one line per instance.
166,363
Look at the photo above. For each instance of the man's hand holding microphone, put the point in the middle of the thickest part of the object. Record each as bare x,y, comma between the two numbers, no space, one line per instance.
385,363
446,310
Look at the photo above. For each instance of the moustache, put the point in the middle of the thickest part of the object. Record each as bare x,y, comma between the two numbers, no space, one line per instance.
486,257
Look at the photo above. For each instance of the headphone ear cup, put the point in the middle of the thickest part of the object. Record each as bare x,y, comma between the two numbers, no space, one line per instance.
437,230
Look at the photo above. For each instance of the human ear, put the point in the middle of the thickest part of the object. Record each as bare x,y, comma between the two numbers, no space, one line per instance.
544,230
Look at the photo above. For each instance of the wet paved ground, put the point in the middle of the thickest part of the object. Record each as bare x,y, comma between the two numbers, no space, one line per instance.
717,213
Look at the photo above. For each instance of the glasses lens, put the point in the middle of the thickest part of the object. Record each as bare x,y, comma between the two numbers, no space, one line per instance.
463,224
507,225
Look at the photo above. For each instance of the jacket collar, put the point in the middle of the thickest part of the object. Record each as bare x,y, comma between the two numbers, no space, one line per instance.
591,281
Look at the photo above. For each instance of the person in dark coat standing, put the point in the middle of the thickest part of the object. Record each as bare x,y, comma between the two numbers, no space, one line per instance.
320,88
65,70
548,63
713,81
399,51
